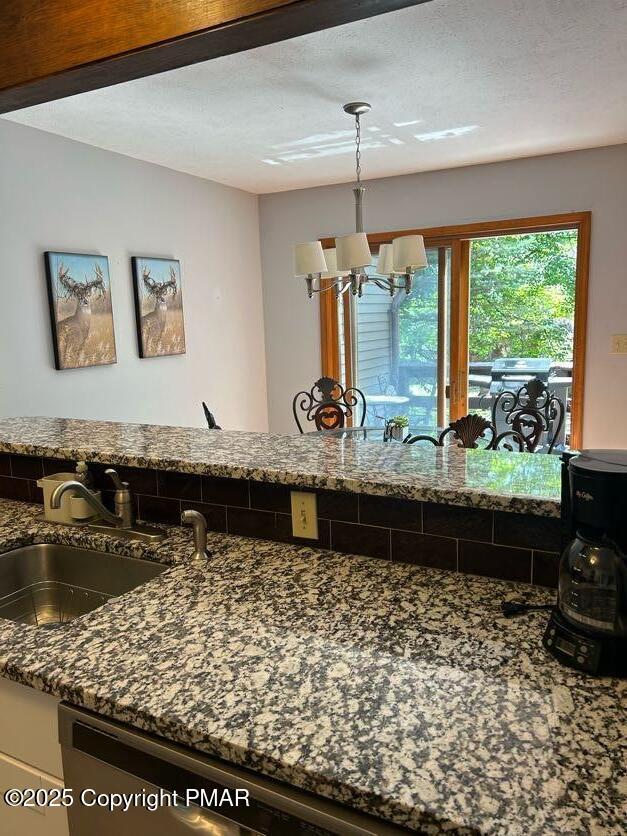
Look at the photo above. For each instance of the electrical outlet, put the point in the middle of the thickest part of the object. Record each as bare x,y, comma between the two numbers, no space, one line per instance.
619,344
304,514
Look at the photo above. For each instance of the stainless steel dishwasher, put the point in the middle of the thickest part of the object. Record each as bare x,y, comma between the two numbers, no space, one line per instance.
102,757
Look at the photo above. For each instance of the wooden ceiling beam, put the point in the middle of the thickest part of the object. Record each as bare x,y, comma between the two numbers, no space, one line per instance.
50,49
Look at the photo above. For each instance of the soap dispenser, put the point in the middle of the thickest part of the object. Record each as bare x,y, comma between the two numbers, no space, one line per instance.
83,475
79,508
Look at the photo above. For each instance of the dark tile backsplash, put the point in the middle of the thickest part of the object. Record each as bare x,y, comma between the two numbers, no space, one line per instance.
454,521
545,569
179,485
390,512
518,547
269,497
525,530
15,488
360,539
251,523
424,550
36,493
223,491
27,467
494,561
159,509
333,505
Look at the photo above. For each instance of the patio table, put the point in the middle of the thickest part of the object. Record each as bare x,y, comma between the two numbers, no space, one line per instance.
386,403
371,433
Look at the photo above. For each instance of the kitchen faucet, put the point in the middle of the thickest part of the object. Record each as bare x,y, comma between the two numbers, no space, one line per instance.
123,520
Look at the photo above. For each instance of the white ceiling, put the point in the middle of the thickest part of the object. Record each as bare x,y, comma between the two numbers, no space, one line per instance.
452,82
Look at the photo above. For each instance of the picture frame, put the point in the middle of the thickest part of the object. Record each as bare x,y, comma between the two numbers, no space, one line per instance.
81,310
159,314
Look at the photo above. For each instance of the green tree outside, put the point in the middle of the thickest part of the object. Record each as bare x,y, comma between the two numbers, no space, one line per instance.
522,300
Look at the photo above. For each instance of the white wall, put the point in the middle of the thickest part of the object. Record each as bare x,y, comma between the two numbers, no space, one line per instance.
64,195
593,180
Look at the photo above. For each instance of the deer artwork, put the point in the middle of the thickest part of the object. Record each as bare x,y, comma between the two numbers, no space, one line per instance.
154,323
73,331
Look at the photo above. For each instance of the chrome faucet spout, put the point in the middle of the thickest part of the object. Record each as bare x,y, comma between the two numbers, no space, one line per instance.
90,499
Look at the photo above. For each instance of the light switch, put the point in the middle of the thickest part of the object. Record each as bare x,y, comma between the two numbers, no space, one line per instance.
304,514
619,344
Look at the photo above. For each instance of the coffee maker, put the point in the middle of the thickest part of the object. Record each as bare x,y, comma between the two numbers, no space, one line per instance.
588,627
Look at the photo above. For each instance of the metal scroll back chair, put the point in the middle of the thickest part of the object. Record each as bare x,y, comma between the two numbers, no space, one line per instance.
467,431
534,412
211,421
388,385
328,405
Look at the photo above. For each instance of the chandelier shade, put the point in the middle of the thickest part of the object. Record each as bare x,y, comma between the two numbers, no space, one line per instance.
385,264
409,253
309,259
330,256
353,251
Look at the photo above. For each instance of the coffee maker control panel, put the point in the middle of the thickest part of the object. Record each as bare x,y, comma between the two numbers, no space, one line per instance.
570,648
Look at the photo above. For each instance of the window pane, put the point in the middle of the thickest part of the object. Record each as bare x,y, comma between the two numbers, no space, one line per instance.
418,343
397,348
522,305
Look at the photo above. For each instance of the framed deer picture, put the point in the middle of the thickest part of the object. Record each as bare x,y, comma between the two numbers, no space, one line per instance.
158,306
81,315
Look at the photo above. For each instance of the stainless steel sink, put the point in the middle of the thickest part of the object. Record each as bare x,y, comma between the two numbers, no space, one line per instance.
52,584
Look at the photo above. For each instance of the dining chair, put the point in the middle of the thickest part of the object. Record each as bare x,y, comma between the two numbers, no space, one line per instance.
388,384
211,421
534,412
328,405
467,431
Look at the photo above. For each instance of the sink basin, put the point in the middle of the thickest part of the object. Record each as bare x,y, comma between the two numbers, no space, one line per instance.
52,584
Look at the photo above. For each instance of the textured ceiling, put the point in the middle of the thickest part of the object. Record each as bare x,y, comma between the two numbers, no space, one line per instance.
452,82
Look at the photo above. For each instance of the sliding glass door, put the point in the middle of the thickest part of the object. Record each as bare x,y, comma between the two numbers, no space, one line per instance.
499,303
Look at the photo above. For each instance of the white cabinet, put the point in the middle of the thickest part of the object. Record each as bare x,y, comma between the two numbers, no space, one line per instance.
29,821
29,727
30,757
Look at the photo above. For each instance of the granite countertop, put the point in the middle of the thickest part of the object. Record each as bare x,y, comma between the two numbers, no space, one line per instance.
519,482
398,690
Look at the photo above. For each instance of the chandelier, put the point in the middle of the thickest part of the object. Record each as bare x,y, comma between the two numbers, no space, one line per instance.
345,264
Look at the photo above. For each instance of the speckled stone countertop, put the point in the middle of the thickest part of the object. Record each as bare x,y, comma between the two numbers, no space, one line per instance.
398,690
519,482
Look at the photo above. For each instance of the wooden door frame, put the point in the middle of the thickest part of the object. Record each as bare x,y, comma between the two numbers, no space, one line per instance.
443,327
460,297
459,237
